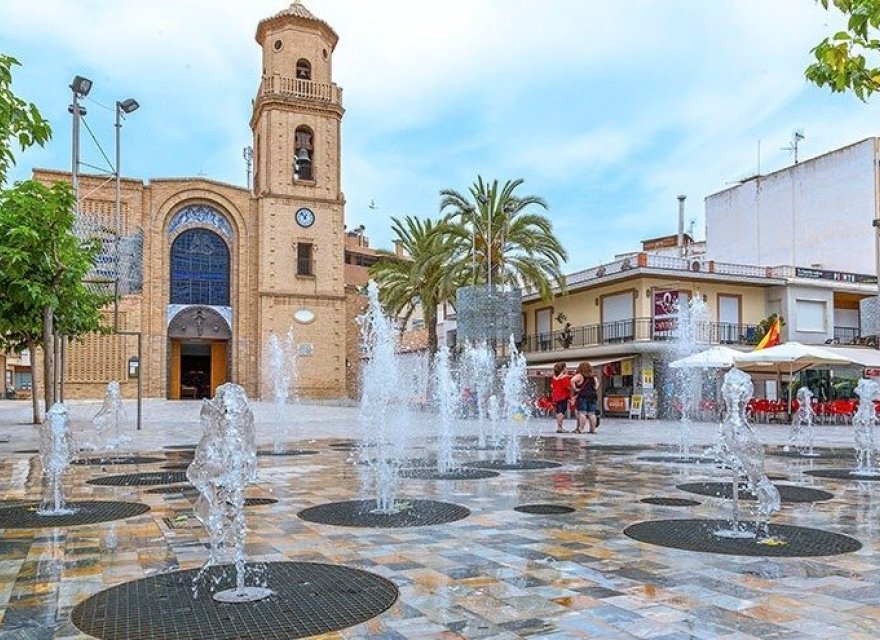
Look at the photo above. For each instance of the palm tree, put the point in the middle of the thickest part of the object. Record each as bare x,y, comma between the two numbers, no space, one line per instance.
421,279
507,242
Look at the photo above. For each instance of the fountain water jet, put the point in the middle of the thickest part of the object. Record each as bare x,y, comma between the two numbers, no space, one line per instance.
480,372
745,455
56,451
282,374
864,421
225,462
383,414
447,402
689,337
515,403
111,414
802,424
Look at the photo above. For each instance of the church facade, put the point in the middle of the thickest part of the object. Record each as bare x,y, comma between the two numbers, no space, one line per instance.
208,271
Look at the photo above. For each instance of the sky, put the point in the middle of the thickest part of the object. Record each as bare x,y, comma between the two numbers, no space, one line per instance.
607,110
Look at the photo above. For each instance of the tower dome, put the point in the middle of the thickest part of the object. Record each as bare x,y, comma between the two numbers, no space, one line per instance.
296,13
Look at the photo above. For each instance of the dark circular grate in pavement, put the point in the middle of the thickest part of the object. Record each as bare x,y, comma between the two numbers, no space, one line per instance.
821,454
86,512
27,451
544,509
840,474
175,466
259,502
309,599
698,535
120,459
359,513
670,502
454,474
676,459
174,488
787,492
140,479
522,465
287,452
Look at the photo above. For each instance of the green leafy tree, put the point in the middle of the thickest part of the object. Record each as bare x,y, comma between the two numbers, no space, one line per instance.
42,289
421,279
20,121
503,236
848,60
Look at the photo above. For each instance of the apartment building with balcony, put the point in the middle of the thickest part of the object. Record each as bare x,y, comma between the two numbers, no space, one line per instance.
618,316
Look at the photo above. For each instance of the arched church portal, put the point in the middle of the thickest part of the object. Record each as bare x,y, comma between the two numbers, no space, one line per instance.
198,353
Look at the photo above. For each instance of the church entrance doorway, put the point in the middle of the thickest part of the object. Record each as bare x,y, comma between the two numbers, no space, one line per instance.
198,353
197,368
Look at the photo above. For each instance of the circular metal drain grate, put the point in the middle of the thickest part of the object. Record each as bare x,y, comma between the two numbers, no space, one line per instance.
86,512
821,454
522,465
27,451
698,535
840,474
175,466
259,502
287,452
787,492
141,479
670,502
679,459
175,488
121,459
544,509
309,599
455,474
359,513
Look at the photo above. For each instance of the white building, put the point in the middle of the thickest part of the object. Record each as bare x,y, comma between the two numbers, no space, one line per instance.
817,214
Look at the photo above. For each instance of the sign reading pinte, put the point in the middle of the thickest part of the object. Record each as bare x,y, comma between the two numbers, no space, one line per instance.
305,217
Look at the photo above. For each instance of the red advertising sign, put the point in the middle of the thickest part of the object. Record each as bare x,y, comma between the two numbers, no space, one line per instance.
665,309
872,372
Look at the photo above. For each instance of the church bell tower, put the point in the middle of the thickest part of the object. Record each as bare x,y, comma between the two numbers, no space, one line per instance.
296,124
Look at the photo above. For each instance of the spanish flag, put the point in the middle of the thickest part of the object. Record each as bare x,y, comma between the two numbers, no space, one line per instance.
771,338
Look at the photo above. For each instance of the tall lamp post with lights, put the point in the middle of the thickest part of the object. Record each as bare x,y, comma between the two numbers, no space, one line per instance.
81,87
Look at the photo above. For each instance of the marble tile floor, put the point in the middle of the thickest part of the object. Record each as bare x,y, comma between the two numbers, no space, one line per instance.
496,574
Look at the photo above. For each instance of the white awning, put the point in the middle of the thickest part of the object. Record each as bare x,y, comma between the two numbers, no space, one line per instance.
865,357
546,369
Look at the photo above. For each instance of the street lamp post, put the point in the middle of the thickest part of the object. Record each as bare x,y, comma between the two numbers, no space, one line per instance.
127,106
80,88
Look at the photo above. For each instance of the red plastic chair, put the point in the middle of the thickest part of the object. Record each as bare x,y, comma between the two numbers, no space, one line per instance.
762,409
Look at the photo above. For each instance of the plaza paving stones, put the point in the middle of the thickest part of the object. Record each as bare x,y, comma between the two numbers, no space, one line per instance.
495,574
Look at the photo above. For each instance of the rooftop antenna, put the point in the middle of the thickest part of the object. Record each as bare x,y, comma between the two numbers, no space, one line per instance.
372,206
796,137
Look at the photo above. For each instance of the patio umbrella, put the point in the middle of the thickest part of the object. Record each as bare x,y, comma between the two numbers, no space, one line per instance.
713,358
790,357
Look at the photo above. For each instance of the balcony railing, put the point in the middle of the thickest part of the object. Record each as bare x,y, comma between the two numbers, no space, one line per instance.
636,330
847,335
297,88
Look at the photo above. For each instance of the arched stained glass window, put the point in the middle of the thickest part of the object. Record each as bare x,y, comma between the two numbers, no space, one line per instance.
199,269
